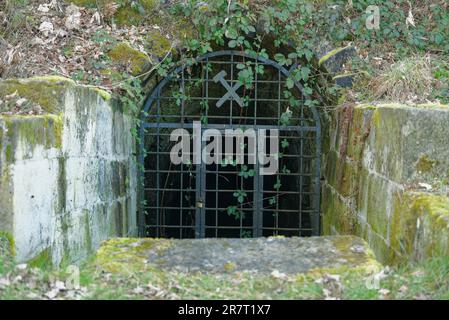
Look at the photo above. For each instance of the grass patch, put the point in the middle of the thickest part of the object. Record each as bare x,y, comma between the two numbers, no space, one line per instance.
426,280
410,79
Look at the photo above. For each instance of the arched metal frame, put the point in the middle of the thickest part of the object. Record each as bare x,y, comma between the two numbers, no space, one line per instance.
155,99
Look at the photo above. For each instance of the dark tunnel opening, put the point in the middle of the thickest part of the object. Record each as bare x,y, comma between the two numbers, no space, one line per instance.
226,199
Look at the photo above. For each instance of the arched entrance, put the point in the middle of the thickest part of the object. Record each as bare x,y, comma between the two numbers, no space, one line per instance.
230,90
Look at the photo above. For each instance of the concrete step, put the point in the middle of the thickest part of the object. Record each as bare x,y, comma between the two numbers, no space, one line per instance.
289,256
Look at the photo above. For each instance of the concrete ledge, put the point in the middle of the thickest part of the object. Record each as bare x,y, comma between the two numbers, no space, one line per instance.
259,256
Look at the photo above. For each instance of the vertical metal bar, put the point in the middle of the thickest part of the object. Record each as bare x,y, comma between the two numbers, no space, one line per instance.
316,220
242,212
198,200
203,165
203,193
207,86
260,198
257,191
141,181
279,158
232,83
158,210
216,195
181,182
301,171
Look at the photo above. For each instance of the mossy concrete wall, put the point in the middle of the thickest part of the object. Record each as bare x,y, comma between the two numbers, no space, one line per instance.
386,171
67,178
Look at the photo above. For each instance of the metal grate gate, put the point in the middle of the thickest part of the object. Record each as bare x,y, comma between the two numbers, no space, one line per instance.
198,200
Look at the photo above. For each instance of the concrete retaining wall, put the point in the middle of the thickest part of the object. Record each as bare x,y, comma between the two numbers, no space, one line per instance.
386,171
67,179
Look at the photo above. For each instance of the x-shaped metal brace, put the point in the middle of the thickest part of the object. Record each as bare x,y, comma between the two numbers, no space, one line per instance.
220,77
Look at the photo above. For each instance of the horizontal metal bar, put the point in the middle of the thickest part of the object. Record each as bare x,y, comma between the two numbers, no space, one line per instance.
286,229
168,190
169,208
169,226
239,227
226,172
228,126
296,211
165,117
248,207
232,81
281,134
281,192
167,153
187,99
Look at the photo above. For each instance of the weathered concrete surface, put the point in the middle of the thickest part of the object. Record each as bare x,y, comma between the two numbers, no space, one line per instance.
376,160
67,178
258,255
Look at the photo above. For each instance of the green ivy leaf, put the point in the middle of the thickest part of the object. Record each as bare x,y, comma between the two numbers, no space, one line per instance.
240,66
285,117
280,58
232,44
231,33
278,184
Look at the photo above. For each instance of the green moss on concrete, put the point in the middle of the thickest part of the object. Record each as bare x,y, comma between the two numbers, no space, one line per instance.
157,43
6,205
87,232
11,247
359,130
132,14
420,227
8,152
432,106
378,204
47,91
128,16
128,254
125,55
357,263
330,54
42,260
337,216
160,257
425,164
105,95
45,130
